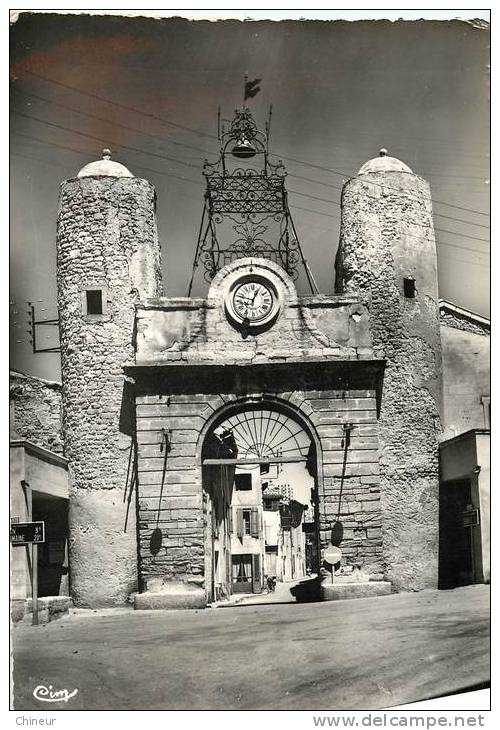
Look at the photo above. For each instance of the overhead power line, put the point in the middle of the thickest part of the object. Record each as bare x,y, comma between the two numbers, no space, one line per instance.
211,136
191,165
168,140
86,153
439,243
199,183
195,182
165,120
442,230
301,177
344,175
463,261
116,124
106,140
293,207
122,106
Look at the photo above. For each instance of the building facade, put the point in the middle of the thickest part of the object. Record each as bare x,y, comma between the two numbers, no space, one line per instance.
174,408
464,508
39,492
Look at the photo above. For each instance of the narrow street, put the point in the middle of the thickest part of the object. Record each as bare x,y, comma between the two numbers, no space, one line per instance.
360,654
281,594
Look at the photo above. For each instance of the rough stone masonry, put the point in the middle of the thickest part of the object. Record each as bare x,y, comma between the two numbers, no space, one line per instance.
149,372
106,241
387,236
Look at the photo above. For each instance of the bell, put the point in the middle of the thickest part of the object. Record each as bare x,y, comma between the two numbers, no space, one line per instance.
243,149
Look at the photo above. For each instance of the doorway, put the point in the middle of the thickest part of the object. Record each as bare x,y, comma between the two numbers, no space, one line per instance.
259,467
53,578
456,539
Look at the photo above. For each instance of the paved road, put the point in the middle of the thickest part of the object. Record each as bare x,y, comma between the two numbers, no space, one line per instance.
360,654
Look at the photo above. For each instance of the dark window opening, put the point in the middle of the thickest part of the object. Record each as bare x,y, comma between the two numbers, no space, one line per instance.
409,287
243,482
94,301
271,504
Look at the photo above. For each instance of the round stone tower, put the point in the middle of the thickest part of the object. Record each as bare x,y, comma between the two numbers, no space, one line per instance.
108,258
388,250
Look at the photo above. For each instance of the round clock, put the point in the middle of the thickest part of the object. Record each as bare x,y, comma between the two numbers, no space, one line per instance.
252,301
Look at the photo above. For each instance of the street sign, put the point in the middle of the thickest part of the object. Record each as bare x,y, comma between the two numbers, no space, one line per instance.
332,554
26,533
470,517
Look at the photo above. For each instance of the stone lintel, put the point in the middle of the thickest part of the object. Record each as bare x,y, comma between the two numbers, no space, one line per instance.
310,302
327,301
175,303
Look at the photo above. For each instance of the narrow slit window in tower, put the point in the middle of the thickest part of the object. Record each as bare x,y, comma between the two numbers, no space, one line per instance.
409,287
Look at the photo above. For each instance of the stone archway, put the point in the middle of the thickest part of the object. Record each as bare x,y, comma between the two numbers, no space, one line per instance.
260,470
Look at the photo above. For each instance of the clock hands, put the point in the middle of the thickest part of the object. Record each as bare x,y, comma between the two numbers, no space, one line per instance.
249,302
253,301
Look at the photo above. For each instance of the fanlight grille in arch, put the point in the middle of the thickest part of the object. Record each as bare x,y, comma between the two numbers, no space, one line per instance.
266,433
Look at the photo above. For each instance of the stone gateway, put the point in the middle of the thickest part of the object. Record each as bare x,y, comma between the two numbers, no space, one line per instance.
214,442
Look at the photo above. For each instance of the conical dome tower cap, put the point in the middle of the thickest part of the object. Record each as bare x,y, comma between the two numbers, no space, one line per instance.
384,163
105,168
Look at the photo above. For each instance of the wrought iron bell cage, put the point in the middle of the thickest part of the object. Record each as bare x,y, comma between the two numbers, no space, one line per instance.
245,210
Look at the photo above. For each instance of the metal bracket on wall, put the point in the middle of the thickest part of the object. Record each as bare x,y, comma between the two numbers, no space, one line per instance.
347,427
165,440
33,324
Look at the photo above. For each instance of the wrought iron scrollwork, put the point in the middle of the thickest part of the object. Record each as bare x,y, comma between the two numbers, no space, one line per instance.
245,191
246,211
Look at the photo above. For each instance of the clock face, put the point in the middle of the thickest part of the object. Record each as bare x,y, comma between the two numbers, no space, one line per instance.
253,301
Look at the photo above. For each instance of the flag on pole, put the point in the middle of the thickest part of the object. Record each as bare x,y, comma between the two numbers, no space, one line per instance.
251,88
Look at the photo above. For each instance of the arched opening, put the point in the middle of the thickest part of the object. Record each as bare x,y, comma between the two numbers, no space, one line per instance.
260,492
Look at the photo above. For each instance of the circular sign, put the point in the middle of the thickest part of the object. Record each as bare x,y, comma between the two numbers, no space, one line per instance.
332,554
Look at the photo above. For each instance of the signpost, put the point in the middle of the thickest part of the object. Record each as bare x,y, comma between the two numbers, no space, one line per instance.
27,533
332,556
30,534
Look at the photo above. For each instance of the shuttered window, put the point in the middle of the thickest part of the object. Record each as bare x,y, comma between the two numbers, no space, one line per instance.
254,523
248,522
256,587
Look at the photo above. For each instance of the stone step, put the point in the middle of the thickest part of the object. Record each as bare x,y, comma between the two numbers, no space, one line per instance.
355,589
50,608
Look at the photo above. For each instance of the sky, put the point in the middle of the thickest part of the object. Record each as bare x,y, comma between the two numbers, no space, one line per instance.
149,89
